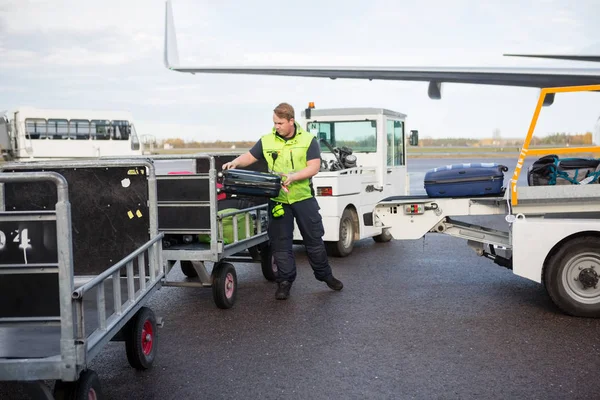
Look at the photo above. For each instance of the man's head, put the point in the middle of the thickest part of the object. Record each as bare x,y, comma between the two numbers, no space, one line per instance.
283,119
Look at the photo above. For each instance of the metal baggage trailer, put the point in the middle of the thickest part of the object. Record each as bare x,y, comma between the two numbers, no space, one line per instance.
188,207
59,304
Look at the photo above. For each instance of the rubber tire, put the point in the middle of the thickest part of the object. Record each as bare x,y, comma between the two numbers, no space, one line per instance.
553,276
188,269
384,237
220,274
79,390
267,263
254,252
338,249
133,339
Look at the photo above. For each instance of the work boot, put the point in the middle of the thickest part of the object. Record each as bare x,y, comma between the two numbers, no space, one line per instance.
333,283
283,290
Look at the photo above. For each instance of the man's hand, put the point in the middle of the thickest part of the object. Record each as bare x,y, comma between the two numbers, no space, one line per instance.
230,165
311,170
289,178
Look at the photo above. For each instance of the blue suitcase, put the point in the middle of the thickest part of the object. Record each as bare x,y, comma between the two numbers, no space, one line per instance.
464,180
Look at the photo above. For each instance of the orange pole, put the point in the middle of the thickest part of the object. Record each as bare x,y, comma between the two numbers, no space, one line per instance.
513,191
525,149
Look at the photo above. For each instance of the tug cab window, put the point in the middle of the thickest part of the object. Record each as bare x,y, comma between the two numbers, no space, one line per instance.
360,136
395,143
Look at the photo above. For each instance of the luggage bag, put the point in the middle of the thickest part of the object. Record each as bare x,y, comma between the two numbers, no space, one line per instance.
551,170
250,183
463,180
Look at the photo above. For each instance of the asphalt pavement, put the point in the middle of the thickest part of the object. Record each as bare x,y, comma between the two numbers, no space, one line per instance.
424,319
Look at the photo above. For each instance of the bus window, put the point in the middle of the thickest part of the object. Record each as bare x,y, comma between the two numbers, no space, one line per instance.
35,128
52,132
100,129
122,130
79,129
59,128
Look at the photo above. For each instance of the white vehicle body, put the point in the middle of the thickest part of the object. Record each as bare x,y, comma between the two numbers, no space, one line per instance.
552,235
28,133
347,197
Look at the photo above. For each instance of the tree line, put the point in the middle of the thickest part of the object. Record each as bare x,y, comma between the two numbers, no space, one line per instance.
553,139
178,143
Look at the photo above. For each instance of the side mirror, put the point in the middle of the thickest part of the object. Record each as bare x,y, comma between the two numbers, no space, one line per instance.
414,138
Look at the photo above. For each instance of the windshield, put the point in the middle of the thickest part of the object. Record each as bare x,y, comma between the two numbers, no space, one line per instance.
360,136
4,133
135,143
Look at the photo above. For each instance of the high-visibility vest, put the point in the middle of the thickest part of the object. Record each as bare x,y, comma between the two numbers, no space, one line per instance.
286,156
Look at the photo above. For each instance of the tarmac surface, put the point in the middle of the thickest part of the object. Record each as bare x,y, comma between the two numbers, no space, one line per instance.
422,319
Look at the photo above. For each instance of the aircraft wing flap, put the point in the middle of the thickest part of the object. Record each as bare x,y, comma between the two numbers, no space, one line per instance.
526,77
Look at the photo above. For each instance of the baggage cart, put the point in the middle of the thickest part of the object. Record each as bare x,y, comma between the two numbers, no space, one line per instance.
193,221
81,255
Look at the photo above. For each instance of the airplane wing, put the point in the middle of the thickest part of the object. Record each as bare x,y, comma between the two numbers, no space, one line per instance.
507,76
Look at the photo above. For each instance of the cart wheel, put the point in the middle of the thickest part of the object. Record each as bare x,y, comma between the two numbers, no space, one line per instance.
384,237
255,253
188,269
268,264
224,284
87,387
141,339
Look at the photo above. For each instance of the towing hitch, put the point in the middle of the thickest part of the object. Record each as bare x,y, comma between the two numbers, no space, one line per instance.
479,248
502,261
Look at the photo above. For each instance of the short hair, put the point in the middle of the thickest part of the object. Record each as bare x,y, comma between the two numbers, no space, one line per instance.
284,110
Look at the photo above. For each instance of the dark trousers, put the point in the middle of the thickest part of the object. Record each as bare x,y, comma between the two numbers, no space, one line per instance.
281,234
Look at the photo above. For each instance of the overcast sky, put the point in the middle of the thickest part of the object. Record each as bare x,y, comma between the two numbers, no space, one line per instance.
109,55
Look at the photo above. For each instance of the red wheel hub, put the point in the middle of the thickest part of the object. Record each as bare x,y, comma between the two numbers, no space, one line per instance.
147,337
229,285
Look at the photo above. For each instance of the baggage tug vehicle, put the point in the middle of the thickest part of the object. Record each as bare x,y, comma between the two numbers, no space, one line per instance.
363,161
553,234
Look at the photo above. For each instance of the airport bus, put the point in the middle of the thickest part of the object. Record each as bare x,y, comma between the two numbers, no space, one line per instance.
28,133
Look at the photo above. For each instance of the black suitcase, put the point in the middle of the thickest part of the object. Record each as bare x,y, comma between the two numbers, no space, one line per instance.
250,183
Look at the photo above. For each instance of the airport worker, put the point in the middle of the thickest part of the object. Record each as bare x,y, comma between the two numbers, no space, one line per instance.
294,154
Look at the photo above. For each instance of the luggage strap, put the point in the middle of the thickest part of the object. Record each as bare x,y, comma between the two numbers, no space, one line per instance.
556,173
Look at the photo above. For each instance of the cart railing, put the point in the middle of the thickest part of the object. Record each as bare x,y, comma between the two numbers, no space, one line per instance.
526,151
192,210
251,237
108,325
49,367
187,204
